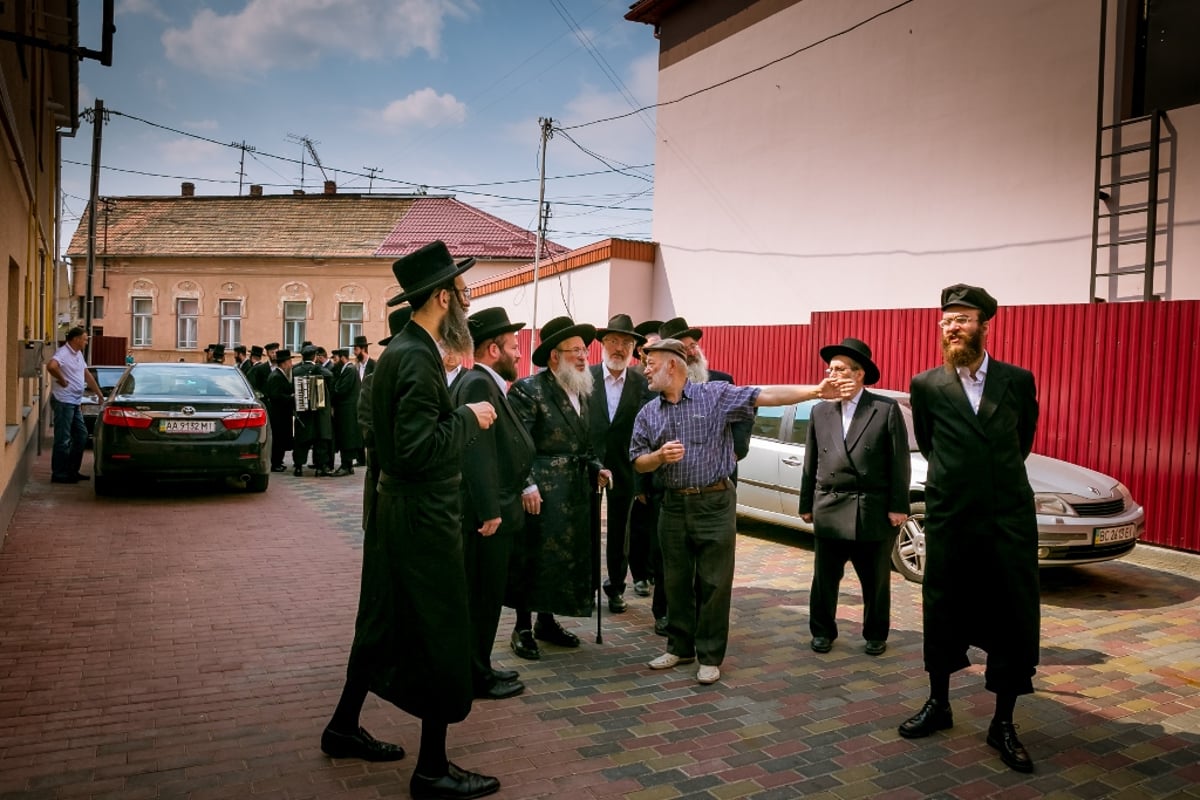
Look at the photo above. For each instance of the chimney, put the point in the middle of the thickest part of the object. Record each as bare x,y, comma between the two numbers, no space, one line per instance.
255,190
330,187
189,189
297,192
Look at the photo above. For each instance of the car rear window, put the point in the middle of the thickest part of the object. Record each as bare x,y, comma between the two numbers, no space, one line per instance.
766,422
173,380
799,432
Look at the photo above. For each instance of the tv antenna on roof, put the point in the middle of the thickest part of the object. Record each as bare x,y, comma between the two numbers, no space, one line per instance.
307,146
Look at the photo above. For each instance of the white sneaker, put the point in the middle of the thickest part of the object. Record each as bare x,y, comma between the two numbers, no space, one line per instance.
708,673
668,660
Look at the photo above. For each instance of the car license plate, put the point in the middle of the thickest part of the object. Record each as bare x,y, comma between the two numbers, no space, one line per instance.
187,426
1120,533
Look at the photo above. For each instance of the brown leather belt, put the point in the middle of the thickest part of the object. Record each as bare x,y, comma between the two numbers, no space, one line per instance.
719,486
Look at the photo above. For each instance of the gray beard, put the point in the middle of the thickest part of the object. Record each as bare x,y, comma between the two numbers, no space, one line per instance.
573,381
454,331
697,369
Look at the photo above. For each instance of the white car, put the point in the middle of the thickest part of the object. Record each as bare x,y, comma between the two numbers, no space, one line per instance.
1082,515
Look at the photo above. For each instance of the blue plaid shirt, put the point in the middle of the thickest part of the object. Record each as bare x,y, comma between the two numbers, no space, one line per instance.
700,420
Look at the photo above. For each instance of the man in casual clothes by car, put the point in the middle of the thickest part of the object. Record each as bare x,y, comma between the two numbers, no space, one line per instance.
974,420
71,378
412,635
685,433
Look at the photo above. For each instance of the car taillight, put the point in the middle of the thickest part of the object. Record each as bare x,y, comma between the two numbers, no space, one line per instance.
246,418
122,417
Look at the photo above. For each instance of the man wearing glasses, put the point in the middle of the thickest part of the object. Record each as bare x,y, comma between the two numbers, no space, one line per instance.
551,570
974,420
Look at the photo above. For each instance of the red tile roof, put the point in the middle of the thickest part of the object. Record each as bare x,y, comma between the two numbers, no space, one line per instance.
466,230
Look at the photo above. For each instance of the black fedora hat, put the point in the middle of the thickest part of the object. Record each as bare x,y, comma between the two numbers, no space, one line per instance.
490,323
558,330
621,323
396,321
361,341
256,350
648,327
960,294
424,269
271,346
856,349
282,355
678,328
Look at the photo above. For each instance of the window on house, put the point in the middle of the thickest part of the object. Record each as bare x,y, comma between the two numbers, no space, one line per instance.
97,307
295,315
231,323
143,309
350,323
187,323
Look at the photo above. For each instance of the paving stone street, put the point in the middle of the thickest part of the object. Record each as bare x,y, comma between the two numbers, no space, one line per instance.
191,642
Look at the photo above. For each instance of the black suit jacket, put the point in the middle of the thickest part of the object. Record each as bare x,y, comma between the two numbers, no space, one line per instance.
610,438
849,485
497,461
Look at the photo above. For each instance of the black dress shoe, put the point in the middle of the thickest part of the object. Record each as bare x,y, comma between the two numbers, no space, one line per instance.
499,690
323,473
933,716
279,468
298,471
821,644
358,745
617,604
341,472
505,674
875,647
1003,737
524,645
554,633
660,626
457,784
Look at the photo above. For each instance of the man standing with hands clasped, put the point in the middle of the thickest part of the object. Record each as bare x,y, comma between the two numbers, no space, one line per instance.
854,489
974,420
685,434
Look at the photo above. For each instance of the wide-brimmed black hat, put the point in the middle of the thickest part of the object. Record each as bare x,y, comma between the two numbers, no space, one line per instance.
241,348
490,323
271,346
396,321
648,327
256,350
308,353
970,296
344,352
558,330
678,328
424,269
218,350
621,323
668,345
282,355
361,341
856,349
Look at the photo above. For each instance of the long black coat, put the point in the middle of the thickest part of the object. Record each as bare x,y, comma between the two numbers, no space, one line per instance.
849,485
258,375
610,438
313,426
981,575
555,557
412,635
347,435
278,395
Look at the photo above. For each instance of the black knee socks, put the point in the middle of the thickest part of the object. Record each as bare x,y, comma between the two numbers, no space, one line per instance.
345,716
939,687
431,760
1005,703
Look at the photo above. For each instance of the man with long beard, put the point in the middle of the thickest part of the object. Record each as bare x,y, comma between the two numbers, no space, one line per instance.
412,638
974,420
552,562
495,468
612,413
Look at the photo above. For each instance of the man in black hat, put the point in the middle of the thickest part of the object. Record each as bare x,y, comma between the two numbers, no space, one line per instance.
314,426
553,558
611,422
347,437
854,490
279,397
261,371
216,353
362,358
974,419
412,638
495,468
240,358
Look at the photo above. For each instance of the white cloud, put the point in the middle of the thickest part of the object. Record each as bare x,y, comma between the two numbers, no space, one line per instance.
270,34
425,108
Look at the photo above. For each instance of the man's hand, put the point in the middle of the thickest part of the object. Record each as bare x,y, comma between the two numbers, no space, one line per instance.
835,388
807,518
671,452
484,414
532,501
896,519
490,526
604,478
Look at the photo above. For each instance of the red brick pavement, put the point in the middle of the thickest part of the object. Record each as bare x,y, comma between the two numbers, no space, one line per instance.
191,642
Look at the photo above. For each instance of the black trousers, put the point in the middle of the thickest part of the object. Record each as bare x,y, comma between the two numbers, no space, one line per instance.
643,525
617,547
486,560
322,450
873,564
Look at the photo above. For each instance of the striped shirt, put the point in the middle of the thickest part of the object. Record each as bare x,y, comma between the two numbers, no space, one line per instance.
700,420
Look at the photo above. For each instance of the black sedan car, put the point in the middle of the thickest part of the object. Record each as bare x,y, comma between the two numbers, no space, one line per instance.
89,406
176,421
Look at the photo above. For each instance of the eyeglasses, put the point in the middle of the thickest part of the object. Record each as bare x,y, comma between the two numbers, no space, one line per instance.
577,352
464,294
957,321
840,370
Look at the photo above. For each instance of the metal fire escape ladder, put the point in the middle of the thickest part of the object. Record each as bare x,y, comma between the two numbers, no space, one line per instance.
1128,206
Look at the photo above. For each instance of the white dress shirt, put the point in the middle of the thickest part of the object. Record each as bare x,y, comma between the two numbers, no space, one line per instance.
848,409
613,386
973,385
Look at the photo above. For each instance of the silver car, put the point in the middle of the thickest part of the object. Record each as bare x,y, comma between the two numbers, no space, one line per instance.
1083,516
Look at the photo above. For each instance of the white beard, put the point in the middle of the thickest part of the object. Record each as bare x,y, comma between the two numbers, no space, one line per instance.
617,363
698,371
573,381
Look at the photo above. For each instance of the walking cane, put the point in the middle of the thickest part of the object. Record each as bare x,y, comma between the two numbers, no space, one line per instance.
596,562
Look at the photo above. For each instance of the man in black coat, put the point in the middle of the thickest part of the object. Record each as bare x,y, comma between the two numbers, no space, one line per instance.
495,467
412,635
396,321
974,419
619,393
259,372
854,489
314,427
279,397
347,437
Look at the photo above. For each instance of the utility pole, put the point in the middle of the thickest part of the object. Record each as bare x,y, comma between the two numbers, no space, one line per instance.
547,131
93,199
242,164
371,173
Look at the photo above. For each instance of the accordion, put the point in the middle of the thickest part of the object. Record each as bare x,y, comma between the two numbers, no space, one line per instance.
310,392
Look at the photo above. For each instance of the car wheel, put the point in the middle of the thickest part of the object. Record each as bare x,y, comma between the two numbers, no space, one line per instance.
908,553
104,485
258,483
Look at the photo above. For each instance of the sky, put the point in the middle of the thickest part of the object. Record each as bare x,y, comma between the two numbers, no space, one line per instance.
440,96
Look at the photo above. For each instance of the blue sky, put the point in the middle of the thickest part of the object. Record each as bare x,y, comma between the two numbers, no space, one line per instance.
444,94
